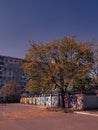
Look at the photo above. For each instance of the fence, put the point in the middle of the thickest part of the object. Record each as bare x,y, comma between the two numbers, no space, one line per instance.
74,101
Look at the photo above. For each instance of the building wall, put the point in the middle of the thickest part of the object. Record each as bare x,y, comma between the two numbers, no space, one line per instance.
11,69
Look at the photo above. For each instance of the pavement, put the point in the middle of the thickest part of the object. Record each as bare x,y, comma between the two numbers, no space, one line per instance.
85,112
88,113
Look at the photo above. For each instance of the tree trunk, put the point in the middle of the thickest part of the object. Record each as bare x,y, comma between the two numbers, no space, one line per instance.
62,98
62,86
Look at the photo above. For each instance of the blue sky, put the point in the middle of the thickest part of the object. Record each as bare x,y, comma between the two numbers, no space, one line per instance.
43,21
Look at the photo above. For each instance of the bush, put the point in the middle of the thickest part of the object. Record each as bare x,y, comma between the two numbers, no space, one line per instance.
11,91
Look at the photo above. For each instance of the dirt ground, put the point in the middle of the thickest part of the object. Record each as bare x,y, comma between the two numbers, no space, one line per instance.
29,117
24,111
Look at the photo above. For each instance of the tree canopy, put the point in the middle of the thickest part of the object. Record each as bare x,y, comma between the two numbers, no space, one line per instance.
59,64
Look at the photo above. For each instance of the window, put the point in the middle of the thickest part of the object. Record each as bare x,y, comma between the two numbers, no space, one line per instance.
1,58
11,60
0,72
20,62
6,60
9,69
9,73
1,63
5,69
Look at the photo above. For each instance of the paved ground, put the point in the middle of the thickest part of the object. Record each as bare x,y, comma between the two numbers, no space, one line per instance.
28,117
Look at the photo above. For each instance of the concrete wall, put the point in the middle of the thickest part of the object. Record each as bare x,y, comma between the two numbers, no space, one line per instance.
90,101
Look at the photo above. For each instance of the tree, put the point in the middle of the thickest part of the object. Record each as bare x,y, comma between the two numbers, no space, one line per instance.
59,63
94,72
33,87
11,91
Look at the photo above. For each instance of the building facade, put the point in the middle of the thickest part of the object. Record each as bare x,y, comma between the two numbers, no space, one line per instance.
11,70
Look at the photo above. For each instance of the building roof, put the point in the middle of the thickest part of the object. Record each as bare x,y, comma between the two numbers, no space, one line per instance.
11,57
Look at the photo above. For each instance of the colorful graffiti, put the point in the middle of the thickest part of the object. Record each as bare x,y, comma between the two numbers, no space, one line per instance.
79,102
48,101
74,101
55,101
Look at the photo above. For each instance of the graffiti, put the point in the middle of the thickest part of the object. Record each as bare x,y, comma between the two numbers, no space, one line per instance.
43,100
34,100
48,101
54,100
38,100
66,101
72,101
80,102
30,100
75,101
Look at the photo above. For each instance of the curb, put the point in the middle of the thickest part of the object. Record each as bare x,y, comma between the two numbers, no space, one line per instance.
86,113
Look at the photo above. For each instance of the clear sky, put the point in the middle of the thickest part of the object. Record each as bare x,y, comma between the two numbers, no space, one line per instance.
43,21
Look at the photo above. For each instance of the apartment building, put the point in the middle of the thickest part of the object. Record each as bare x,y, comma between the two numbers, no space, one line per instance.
11,69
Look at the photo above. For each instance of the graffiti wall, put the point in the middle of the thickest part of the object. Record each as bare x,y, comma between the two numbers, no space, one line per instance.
74,101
